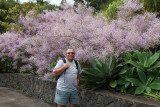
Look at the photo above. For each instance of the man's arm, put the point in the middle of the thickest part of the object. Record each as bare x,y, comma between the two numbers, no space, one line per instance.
61,70
78,79
79,74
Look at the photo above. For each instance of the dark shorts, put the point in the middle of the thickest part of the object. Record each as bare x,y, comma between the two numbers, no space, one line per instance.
63,97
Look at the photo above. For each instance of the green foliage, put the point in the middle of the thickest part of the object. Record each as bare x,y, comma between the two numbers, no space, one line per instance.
151,5
146,61
102,73
76,1
142,72
6,65
50,7
104,6
9,13
31,70
53,63
145,83
123,85
4,8
111,11
98,4
6,4
24,72
153,95
42,2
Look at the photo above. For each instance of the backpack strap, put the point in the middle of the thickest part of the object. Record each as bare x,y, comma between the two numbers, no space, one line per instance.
76,62
64,60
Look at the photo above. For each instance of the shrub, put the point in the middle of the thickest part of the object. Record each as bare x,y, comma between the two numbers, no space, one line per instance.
142,72
40,39
102,74
6,65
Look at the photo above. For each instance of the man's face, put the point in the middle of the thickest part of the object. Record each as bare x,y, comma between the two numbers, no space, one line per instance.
70,54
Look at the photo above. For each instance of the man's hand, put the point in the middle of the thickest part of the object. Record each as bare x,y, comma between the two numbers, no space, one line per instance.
61,70
66,65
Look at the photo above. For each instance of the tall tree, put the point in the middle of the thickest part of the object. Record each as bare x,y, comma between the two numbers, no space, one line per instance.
63,1
42,2
79,1
5,5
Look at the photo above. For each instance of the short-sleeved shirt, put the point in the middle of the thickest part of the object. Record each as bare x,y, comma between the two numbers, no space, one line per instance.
68,79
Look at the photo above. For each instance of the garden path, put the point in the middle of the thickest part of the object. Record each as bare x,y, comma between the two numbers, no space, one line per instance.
13,98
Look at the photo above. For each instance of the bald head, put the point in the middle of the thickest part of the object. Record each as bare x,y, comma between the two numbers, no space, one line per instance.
70,50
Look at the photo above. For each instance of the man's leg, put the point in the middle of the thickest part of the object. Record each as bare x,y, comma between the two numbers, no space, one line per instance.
61,98
61,105
73,105
74,99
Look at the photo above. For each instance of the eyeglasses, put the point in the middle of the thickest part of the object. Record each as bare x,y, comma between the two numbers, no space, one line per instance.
70,53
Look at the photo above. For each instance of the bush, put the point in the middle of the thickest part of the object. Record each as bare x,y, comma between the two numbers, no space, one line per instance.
40,39
142,72
6,65
102,74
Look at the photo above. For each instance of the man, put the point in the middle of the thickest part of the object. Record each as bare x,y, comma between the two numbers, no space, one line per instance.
67,84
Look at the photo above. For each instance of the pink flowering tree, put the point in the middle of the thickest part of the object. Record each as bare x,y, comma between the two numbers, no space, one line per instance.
41,39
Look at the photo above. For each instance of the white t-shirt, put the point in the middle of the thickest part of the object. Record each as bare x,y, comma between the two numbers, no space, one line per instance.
68,79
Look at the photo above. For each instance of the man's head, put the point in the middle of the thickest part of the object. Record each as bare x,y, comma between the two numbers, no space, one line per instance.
70,54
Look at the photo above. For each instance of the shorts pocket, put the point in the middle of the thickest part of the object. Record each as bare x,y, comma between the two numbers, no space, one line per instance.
60,92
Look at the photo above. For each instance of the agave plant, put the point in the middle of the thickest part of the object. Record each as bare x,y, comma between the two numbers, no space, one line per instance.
123,85
102,73
146,61
142,73
145,83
